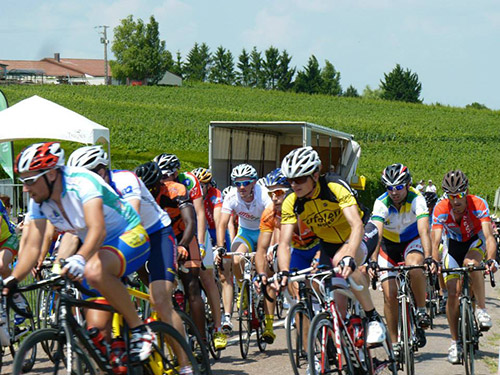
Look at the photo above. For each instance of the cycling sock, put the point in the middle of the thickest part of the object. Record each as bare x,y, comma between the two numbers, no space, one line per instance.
269,322
372,314
421,310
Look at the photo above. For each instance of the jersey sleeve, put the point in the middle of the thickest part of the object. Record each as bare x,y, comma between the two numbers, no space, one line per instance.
344,196
228,203
34,211
216,198
380,211
481,209
439,215
267,219
287,210
420,207
179,194
131,187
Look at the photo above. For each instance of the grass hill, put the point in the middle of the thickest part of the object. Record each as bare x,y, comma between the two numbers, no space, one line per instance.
145,121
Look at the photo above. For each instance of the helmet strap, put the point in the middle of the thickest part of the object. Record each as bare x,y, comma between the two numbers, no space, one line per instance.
50,184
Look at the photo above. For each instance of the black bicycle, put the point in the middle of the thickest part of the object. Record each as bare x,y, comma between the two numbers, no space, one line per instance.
468,329
73,351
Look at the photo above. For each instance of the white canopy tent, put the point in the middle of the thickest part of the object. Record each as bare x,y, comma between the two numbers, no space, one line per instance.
37,117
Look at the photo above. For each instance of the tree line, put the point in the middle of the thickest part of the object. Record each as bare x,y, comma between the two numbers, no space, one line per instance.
141,55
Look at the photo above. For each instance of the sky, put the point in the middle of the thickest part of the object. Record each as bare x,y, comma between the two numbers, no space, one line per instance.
453,45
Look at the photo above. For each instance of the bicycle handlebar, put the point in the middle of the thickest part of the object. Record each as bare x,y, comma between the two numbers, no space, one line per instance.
471,268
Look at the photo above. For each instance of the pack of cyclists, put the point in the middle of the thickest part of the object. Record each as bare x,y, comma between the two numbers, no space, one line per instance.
294,218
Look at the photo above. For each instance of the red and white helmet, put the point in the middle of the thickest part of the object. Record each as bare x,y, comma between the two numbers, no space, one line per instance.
40,156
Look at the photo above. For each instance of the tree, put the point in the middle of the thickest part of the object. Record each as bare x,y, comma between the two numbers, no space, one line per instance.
198,62
309,80
369,93
244,69
139,52
331,80
401,85
351,92
270,67
476,105
178,67
223,67
256,75
285,73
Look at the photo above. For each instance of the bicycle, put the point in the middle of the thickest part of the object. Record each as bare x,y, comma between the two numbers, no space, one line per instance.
468,328
431,297
76,353
407,326
337,341
251,315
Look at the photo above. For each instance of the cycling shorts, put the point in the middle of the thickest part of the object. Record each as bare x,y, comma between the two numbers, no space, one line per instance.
162,264
301,259
11,244
392,253
367,246
458,250
132,248
248,237
213,237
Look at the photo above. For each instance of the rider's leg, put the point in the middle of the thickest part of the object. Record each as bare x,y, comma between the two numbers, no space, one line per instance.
417,277
452,307
191,284
6,257
208,282
475,256
390,290
226,279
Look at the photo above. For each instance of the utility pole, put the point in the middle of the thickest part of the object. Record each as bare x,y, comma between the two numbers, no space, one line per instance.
105,41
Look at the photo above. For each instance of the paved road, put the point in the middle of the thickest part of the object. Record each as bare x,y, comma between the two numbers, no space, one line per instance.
430,360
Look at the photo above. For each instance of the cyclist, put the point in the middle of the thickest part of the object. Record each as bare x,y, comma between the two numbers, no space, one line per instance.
402,216
114,243
466,219
173,198
162,263
247,202
328,206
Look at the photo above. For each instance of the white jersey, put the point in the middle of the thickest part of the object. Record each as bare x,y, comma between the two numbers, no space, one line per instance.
249,213
130,187
80,186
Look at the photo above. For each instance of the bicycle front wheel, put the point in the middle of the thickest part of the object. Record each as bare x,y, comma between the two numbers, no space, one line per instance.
468,336
324,356
79,361
297,326
407,336
244,318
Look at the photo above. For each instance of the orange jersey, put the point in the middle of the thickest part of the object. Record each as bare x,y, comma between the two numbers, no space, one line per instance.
303,237
171,198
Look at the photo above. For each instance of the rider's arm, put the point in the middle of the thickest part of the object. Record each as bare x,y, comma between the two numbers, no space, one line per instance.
424,233
200,219
283,252
47,241
31,249
380,228
351,214
491,245
188,216
436,233
261,256
221,227
96,229
68,246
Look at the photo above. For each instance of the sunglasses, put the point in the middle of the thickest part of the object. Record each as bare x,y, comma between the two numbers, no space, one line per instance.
277,193
31,180
457,195
242,183
397,187
298,180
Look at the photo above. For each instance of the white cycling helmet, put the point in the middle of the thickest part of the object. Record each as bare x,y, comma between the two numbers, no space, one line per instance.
243,170
168,163
89,157
226,191
300,162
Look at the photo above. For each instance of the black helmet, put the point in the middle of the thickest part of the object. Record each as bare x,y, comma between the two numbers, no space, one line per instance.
431,199
396,174
455,182
149,173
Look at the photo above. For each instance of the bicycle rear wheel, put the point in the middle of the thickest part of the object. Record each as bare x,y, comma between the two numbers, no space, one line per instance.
80,363
322,354
163,359
468,336
244,318
296,328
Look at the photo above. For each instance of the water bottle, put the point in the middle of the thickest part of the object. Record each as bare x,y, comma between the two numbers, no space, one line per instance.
355,329
118,356
99,341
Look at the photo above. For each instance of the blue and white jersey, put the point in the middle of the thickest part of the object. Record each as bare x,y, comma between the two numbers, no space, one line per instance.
130,187
249,213
80,186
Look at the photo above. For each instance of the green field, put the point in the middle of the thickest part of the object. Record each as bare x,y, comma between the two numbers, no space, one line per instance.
145,121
